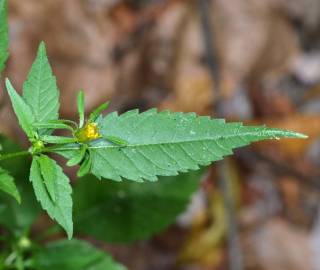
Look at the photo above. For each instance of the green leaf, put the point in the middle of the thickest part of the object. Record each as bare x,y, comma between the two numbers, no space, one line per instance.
73,255
80,103
40,90
79,155
4,39
49,174
22,111
18,217
168,143
128,211
61,210
7,185
96,113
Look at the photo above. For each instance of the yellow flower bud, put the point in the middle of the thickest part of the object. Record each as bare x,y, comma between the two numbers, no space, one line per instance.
88,133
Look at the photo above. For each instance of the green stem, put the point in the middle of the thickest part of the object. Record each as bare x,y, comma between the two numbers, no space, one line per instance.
13,155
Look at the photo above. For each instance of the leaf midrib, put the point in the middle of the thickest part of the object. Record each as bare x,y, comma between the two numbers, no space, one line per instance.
257,133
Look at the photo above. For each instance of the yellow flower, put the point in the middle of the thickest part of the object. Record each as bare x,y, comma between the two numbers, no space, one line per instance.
87,133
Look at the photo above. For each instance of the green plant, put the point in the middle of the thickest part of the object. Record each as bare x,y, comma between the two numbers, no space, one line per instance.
135,146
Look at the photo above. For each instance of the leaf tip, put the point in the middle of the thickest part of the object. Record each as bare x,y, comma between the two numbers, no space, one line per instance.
8,83
42,46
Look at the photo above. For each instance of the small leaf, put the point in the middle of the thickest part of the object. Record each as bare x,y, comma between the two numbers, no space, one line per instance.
48,171
73,255
7,185
128,211
96,113
61,210
57,139
85,166
80,103
22,111
79,155
4,39
40,90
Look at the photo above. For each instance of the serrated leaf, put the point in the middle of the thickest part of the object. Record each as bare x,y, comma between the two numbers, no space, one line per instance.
22,110
49,174
18,217
129,211
168,143
4,39
61,210
40,90
7,185
73,255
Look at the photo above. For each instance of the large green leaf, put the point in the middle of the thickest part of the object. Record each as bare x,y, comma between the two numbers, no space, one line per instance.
40,90
167,143
22,110
61,208
73,255
17,217
7,185
4,41
128,211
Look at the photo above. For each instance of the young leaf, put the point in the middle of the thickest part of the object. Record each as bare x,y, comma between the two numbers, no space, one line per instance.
96,113
61,210
7,185
49,175
4,40
40,90
22,110
168,143
122,207
73,255
80,103
78,157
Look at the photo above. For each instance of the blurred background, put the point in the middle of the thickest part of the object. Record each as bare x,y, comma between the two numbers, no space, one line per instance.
245,60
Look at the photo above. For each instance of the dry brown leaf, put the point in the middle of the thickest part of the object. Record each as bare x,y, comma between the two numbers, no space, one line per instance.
277,245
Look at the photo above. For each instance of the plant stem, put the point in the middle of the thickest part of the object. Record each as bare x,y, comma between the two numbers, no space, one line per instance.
13,155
